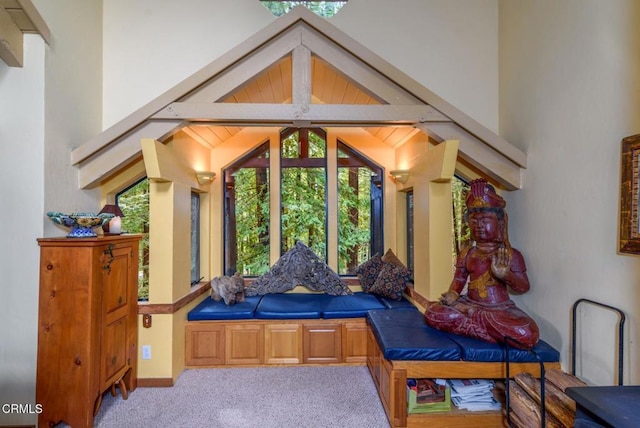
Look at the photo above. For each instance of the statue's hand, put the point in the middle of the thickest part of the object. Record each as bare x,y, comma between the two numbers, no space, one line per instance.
501,263
448,298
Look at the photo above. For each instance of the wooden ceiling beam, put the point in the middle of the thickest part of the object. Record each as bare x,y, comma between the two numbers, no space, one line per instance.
312,114
495,165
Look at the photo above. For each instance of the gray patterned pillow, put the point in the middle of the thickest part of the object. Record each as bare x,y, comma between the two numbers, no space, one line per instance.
298,266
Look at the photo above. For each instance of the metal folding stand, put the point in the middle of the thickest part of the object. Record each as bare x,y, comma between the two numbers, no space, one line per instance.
621,321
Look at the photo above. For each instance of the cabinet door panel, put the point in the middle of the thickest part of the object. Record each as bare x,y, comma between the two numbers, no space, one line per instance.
354,342
322,343
114,354
283,344
244,344
116,268
205,345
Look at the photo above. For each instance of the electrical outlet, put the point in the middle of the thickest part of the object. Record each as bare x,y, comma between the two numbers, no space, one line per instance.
146,352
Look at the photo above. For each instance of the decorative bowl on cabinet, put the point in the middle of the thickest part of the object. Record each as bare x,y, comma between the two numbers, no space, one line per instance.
81,224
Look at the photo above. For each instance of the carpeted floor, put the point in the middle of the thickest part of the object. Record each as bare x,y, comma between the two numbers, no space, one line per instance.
278,397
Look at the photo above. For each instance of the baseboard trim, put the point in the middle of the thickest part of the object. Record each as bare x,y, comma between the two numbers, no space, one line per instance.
155,382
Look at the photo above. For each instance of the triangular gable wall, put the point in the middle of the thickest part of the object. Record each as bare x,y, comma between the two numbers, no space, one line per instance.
301,35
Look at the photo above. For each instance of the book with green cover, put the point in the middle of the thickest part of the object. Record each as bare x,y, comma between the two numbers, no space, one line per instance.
427,396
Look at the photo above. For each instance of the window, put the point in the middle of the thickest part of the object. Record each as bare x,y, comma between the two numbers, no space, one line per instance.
304,206
246,205
195,238
359,209
410,242
303,182
325,9
134,203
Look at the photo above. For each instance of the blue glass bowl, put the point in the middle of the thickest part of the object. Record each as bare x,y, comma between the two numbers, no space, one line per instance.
81,224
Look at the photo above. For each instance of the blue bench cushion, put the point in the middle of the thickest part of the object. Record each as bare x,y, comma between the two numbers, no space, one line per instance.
353,306
401,334
209,309
404,335
291,306
478,350
396,304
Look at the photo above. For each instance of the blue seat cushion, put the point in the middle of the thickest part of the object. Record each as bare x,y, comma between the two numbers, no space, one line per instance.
354,306
291,306
478,350
404,335
396,304
209,309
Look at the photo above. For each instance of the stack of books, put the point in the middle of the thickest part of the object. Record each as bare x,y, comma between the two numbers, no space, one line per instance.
474,395
428,395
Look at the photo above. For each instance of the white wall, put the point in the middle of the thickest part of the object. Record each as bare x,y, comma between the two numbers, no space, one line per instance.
21,200
448,46
47,107
570,91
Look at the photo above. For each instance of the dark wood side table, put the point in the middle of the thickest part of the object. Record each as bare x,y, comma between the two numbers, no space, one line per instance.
606,406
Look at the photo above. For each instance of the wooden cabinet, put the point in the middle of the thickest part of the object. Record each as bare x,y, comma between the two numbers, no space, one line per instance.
87,325
322,343
283,343
263,342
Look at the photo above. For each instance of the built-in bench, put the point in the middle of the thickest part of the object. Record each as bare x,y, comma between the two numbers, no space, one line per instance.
389,336
287,328
400,346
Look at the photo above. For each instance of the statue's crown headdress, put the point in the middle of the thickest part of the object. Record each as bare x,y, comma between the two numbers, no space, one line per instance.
483,195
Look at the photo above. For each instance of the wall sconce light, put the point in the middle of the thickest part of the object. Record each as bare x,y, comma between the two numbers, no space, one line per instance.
205,177
400,175
113,226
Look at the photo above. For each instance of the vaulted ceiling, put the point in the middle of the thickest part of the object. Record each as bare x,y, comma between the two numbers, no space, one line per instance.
274,86
299,71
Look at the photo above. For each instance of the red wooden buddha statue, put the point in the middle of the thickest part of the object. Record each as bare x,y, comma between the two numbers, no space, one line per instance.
492,268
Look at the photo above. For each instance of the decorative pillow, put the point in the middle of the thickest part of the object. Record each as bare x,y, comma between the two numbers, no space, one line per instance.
390,257
368,272
391,281
299,266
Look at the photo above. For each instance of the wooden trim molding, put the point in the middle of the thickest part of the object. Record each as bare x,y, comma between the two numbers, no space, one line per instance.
417,297
172,308
155,382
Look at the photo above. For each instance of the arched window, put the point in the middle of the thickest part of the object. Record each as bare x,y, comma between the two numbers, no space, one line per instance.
305,208
359,209
247,214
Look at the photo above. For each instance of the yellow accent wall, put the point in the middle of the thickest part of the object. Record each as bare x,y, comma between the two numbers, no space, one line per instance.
171,172
430,171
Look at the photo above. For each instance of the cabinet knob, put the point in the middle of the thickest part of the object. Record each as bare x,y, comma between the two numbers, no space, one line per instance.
78,362
49,266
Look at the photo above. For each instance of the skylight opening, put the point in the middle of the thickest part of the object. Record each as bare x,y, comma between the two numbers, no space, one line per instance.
324,9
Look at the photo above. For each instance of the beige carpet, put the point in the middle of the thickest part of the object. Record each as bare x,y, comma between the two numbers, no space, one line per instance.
278,397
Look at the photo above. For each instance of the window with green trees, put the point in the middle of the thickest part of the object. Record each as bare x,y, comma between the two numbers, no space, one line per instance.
303,184
304,206
247,214
460,232
134,203
326,9
359,209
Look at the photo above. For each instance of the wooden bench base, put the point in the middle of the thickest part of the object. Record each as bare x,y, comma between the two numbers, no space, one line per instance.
262,342
390,377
